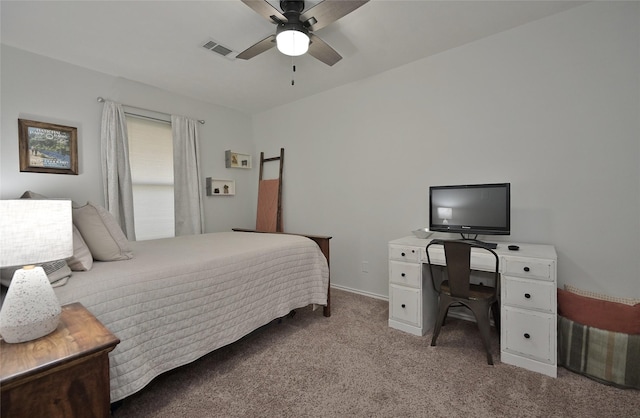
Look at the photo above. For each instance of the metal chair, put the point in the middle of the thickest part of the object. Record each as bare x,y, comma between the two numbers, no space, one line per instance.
457,290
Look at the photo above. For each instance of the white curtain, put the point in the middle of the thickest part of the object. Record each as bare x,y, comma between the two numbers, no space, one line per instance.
186,177
116,172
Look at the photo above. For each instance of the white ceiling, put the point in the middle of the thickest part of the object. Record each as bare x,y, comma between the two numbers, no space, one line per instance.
159,42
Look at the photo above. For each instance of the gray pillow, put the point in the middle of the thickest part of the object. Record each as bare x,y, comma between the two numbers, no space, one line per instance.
58,273
81,260
101,232
32,195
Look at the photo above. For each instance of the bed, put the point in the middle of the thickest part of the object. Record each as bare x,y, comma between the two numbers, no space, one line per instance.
178,299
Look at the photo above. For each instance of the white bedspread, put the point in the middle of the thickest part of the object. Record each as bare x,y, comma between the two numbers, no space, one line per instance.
181,298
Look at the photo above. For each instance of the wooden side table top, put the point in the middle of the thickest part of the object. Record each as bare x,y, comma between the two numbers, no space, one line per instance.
78,335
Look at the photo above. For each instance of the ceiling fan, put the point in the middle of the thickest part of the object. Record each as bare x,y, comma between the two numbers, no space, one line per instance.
294,35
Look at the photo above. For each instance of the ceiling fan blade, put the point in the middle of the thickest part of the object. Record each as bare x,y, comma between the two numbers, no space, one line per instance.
264,9
258,48
327,12
319,49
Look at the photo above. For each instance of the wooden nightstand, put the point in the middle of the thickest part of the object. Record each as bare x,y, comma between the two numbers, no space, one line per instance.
63,374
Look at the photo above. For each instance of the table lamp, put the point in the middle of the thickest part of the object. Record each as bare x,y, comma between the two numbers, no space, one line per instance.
32,231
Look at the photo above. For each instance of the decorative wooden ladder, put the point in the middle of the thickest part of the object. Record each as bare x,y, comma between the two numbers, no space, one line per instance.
269,213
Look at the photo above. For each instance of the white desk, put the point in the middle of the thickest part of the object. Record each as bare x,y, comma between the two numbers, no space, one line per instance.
528,309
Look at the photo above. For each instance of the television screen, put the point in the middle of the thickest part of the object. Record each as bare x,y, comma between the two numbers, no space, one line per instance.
471,209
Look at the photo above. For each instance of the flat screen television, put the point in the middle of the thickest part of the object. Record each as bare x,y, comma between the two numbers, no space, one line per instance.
472,209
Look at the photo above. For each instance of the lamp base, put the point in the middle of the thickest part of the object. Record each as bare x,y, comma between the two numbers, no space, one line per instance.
30,309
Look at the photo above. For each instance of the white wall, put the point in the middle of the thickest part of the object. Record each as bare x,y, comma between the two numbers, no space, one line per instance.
43,89
552,107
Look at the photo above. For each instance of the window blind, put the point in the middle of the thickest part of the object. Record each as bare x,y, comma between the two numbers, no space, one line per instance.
151,160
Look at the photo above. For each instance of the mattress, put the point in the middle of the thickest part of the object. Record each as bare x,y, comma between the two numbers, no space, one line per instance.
181,298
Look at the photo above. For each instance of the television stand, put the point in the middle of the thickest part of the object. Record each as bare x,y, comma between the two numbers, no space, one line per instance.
476,241
489,245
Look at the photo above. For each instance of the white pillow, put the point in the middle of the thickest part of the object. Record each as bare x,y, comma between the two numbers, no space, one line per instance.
101,232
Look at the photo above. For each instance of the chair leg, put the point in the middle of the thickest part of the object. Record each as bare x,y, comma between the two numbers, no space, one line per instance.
495,310
481,312
443,308
444,318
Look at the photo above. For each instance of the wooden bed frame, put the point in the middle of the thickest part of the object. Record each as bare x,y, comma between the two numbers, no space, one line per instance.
323,243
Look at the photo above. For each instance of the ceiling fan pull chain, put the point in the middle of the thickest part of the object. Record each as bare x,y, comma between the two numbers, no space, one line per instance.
293,67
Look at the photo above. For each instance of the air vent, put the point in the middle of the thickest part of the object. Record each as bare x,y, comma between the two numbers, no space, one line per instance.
209,44
220,50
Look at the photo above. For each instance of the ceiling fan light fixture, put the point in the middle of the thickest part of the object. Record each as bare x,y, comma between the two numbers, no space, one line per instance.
292,40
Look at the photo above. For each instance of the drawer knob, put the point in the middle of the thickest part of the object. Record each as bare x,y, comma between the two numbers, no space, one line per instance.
527,295
402,274
526,335
403,305
526,269
402,254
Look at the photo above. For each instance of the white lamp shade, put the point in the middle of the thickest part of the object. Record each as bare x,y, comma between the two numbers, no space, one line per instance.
292,42
32,231
35,231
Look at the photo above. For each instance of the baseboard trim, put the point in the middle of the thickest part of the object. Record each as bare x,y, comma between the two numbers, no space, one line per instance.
359,292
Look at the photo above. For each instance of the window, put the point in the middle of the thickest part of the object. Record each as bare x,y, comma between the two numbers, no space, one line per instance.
151,160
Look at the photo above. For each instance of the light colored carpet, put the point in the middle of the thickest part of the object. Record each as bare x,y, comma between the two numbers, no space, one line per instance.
353,364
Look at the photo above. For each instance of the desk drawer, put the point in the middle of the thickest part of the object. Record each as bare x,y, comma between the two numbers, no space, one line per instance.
529,268
481,260
528,333
529,294
404,253
406,274
404,304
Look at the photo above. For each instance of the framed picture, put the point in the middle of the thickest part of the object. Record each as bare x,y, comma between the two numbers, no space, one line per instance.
237,160
48,148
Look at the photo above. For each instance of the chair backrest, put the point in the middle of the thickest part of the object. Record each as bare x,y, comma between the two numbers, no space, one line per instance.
458,258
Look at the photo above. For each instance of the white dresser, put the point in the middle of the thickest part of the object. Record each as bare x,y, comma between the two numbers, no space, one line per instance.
412,300
527,297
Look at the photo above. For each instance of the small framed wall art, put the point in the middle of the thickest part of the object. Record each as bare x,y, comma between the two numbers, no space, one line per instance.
237,160
47,148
